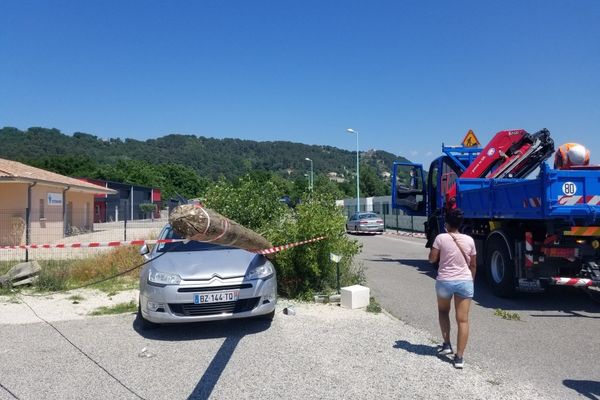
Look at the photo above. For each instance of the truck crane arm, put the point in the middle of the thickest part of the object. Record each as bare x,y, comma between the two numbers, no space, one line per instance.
510,154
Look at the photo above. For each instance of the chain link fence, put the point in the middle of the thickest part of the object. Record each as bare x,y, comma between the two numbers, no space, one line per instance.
20,227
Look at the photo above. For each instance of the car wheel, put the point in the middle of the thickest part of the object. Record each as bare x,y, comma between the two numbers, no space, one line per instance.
348,230
499,268
144,324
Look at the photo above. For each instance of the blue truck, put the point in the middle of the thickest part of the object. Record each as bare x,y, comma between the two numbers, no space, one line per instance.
530,233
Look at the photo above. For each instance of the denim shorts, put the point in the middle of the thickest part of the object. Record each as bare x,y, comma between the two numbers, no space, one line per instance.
445,289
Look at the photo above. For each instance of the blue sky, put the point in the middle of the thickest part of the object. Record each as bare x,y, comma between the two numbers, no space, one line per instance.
408,75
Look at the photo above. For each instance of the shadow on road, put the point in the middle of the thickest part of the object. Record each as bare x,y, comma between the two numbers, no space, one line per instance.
203,330
572,302
420,349
233,331
589,389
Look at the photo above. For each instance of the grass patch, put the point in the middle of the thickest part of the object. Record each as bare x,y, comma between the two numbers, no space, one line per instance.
114,286
116,309
6,290
512,316
10,297
57,275
76,299
53,276
373,306
6,265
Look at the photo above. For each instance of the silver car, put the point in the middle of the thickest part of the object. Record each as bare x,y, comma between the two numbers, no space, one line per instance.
365,222
195,281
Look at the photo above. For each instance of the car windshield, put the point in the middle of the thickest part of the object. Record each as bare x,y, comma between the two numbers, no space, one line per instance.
365,216
192,245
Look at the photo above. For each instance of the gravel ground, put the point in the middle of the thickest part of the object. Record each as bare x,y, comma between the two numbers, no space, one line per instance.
323,351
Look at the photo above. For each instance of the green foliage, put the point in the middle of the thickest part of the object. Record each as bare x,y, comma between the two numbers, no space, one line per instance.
180,179
307,269
116,309
373,306
148,209
186,164
253,203
371,184
507,315
54,276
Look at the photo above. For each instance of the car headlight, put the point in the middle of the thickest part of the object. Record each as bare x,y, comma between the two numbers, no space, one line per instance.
261,271
163,278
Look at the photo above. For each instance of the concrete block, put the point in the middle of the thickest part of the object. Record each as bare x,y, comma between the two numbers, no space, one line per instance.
355,296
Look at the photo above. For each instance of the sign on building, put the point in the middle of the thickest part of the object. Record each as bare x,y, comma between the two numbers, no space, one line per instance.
55,199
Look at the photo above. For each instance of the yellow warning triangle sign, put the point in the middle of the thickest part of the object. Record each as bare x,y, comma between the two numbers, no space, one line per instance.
471,140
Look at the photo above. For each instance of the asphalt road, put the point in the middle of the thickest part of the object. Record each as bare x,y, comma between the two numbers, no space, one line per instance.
322,352
556,345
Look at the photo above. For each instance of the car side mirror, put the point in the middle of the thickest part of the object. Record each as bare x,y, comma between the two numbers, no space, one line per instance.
144,250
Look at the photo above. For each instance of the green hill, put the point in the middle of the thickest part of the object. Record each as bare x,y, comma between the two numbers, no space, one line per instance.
82,154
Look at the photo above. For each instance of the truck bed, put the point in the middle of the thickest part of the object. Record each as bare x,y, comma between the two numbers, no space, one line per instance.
568,195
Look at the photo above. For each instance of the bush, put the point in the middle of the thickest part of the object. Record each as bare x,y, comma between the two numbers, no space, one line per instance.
148,208
253,201
307,269
248,201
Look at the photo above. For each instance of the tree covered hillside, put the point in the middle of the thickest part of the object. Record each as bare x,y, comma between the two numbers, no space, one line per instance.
173,160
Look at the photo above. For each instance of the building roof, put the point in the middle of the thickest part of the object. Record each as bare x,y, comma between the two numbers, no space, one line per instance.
16,172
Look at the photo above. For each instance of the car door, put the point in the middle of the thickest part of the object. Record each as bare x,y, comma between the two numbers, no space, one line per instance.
408,188
352,223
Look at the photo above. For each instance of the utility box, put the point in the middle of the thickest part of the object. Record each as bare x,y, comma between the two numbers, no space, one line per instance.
355,296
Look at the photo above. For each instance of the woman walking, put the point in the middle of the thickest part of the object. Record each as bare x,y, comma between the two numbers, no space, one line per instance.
456,255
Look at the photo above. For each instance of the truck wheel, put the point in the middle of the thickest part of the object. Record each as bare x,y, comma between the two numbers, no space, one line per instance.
499,268
594,294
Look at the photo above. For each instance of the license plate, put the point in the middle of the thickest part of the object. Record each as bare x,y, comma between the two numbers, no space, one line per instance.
216,297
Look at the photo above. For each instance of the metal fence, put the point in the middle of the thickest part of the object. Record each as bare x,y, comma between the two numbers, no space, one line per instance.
21,227
393,219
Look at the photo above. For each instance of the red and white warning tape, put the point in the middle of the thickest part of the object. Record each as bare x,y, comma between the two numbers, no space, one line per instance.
271,250
89,244
572,281
528,249
287,246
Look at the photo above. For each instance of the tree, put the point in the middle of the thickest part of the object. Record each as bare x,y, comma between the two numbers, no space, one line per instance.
148,208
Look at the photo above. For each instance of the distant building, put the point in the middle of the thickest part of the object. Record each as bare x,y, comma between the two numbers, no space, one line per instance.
38,206
125,202
333,176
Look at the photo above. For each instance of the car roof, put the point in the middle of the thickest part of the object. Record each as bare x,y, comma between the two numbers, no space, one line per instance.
362,214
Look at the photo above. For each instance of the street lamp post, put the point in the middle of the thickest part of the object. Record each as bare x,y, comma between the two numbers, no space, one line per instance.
350,130
311,185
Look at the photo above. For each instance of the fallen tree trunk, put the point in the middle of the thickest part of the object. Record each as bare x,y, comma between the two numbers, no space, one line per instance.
205,225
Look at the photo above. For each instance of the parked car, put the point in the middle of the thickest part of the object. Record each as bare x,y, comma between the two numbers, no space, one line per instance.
365,222
195,281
